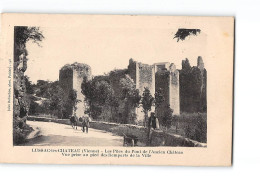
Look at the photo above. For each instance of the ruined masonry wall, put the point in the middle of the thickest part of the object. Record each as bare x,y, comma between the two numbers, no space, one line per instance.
66,80
144,76
71,78
77,81
174,88
66,83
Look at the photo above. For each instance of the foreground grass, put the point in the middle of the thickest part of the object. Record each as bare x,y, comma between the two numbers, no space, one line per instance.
190,125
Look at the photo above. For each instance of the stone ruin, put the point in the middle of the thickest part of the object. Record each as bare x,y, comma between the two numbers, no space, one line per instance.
70,78
149,76
183,90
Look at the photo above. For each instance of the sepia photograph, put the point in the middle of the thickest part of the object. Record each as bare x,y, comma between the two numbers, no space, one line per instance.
77,99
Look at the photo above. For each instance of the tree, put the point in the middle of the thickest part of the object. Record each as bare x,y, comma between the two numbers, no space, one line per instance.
89,91
42,87
200,133
72,99
24,33
159,98
181,34
28,85
58,103
105,96
46,106
98,94
167,117
146,102
131,97
114,104
104,92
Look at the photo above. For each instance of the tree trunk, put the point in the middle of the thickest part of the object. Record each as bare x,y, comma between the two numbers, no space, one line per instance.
148,143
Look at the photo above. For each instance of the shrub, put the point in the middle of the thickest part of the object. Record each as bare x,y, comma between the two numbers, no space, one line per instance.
20,130
190,125
167,119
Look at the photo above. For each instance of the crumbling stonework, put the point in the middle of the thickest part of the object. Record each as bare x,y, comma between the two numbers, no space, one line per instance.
174,90
70,78
143,76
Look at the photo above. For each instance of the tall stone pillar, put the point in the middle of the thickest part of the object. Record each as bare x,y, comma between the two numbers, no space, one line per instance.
70,78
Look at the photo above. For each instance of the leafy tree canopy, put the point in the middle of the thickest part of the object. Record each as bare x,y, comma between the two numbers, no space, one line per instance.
24,33
181,34
159,98
147,100
129,91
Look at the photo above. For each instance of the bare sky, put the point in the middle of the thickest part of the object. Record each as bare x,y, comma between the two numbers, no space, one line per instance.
107,48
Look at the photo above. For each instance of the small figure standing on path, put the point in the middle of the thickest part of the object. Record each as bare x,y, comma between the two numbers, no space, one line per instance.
73,120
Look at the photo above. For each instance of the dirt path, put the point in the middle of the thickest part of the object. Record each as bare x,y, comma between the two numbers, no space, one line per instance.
53,134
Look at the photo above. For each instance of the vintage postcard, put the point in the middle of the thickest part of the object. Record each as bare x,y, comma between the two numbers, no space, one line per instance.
116,89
